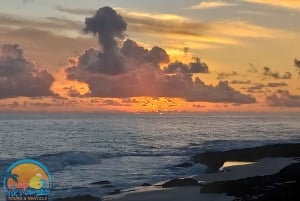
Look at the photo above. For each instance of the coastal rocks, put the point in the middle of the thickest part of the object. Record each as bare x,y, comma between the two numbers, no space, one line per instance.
146,184
214,160
283,186
79,198
180,182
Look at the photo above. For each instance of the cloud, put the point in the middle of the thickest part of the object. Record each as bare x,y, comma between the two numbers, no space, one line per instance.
20,77
289,4
220,93
129,57
240,82
283,98
73,92
258,88
147,82
212,4
45,51
297,64
59,26
252,69
109,102
192,67
140,55
137,72
277,84
108,26
252,12
75,11
28,1
130,101
276,75
222,75
198,106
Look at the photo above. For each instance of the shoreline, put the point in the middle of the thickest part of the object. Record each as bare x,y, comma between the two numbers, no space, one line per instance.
263,160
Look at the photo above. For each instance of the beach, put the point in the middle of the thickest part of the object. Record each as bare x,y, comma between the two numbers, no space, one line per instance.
271,167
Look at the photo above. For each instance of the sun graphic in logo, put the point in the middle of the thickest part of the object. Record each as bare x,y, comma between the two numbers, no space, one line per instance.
27,174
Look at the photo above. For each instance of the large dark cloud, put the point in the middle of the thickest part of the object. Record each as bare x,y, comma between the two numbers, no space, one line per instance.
146,82
140,55
283,98
136,71
108,26
276,75
20,77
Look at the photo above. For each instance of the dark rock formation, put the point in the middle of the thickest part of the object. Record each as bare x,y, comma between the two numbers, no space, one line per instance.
283,186
146,184
180,182
214,160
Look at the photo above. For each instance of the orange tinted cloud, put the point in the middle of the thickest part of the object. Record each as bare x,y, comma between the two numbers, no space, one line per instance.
290,4
212,4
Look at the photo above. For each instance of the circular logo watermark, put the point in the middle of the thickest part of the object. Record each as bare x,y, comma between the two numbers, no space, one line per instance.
27,180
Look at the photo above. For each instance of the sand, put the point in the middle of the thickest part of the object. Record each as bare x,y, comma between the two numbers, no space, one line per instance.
266,166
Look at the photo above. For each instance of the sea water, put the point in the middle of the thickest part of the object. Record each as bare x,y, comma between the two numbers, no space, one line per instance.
130,149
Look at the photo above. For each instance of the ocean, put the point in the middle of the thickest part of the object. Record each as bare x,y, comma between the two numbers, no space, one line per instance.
130,149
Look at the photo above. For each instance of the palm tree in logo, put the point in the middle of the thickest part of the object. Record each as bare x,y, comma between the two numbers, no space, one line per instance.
14,177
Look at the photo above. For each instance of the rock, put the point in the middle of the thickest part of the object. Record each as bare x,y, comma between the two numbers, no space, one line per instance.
181,182
185,165
214,160
283,186
146,184
79,198
104,182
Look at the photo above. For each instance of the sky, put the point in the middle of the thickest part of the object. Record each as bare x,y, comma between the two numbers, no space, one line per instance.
149,56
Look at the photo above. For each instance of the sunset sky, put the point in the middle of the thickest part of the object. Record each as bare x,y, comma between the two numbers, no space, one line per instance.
150,56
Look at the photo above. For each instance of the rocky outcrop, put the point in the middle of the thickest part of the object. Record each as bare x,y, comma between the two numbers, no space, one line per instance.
283,186
214,160
180,182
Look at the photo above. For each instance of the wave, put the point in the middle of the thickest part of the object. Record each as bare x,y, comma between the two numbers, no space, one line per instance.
58,161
